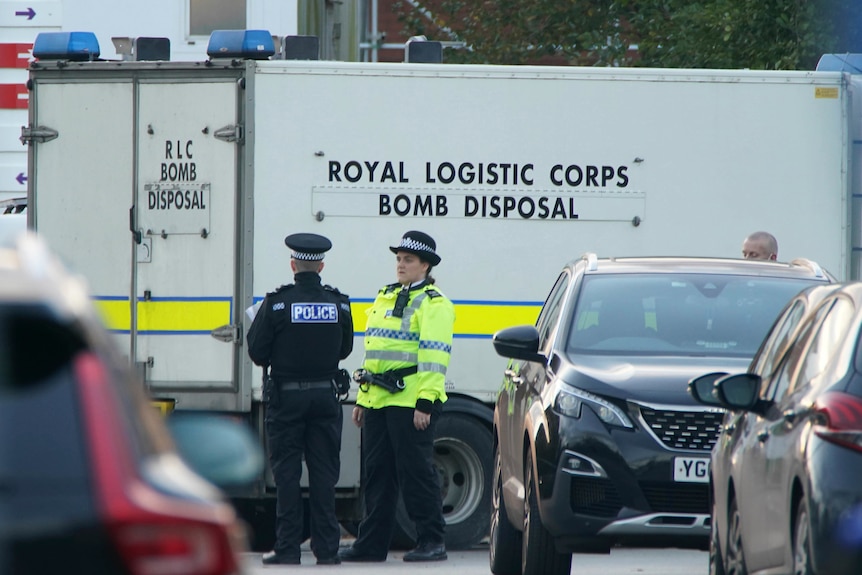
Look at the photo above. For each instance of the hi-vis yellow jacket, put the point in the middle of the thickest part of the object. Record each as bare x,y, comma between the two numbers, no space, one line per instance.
422,337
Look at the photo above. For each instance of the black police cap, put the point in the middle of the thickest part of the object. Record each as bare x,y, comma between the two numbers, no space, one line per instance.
420,244
307,247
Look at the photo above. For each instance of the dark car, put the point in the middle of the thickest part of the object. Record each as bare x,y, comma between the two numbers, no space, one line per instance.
596,438
90,479
786,472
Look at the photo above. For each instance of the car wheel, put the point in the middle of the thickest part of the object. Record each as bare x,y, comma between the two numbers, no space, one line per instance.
538,554
505,540
716,561
734,559
802,542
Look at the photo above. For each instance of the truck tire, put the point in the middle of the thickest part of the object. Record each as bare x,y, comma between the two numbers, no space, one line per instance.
259,517
463,458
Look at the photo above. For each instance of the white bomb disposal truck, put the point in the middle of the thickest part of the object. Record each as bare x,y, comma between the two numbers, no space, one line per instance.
171,186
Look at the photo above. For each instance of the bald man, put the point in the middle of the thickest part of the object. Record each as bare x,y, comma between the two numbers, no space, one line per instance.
760,246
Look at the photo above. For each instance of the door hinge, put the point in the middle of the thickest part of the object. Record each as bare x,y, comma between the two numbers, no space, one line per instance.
231,133
41,134
229,333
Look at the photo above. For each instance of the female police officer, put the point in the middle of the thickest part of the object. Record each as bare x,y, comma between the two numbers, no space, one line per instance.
408,340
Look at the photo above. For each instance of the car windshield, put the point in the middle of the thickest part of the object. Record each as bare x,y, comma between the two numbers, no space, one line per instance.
677,314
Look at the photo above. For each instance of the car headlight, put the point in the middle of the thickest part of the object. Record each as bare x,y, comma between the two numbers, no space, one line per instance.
571,401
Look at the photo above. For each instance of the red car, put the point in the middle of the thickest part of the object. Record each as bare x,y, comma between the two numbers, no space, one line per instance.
90,479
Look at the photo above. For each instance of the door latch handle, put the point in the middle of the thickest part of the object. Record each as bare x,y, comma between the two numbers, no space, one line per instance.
792,415
227,333
136,234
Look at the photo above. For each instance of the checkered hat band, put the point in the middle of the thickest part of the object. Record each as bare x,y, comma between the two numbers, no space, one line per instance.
410,244
305,256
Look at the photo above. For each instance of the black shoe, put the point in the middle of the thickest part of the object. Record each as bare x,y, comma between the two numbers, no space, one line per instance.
427,552
273,558
334,560
351,554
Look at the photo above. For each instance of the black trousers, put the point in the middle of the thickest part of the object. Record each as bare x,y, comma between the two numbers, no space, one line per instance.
398,456
305,422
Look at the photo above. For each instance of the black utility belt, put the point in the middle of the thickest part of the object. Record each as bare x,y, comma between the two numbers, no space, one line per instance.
304,385
392,381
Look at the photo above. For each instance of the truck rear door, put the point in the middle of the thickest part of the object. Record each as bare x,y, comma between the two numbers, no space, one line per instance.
80,184
186,218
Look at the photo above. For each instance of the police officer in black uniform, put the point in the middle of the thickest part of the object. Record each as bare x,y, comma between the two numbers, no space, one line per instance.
300,333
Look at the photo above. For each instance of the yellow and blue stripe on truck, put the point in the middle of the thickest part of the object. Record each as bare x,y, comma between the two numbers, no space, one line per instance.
474,319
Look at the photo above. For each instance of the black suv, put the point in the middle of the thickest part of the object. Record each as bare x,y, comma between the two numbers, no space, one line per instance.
596,437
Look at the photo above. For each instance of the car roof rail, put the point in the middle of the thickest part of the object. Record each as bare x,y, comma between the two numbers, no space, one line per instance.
592,261
811,265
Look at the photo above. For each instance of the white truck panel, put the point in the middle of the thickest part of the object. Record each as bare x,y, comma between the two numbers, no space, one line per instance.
709,158
69,201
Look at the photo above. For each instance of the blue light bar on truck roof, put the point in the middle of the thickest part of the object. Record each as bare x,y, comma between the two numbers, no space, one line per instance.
251,44
78,46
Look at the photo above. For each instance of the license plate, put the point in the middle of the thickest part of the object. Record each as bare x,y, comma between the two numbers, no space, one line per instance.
691,469
165,406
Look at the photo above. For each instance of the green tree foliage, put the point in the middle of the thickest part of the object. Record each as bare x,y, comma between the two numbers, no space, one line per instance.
756,34
519,31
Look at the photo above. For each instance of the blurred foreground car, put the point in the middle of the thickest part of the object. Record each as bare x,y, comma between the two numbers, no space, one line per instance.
90,480
596,439
787,468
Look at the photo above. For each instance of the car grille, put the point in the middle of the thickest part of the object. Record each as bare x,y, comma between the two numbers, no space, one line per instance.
595,496
684,430
666,497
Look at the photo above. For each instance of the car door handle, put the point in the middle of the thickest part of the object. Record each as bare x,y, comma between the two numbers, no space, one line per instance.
762,436
791,416
514,376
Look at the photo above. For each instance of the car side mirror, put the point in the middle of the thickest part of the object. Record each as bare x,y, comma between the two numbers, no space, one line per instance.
741,391
222,451
519,342
702,388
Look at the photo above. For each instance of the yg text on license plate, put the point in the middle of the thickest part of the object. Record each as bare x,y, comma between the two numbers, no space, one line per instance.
691,469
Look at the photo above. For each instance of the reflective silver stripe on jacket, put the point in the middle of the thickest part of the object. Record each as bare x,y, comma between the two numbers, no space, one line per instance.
392,355
432,366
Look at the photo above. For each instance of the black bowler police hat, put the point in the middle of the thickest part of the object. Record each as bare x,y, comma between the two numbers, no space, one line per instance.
418,243
307,247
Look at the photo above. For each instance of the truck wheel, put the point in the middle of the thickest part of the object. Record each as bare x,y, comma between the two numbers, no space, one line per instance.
259,516
462,456
538,554
352,527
